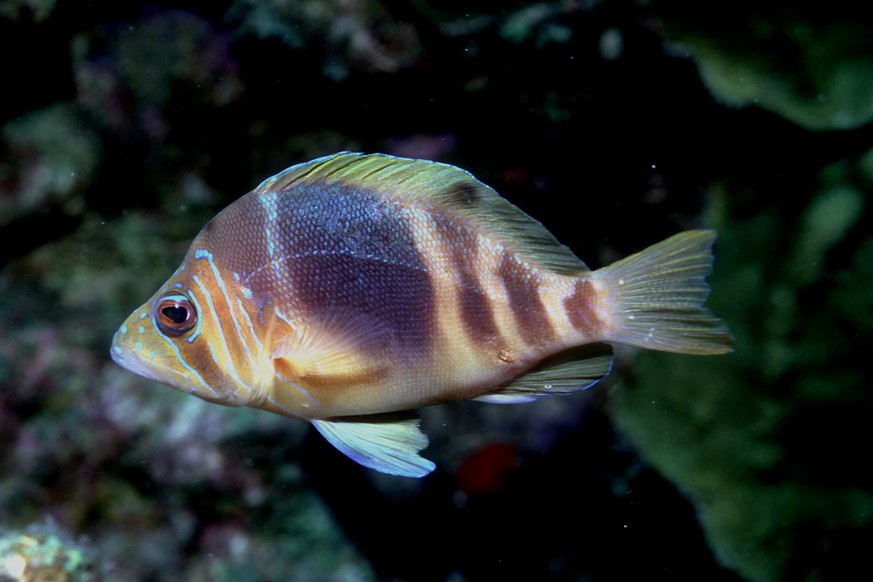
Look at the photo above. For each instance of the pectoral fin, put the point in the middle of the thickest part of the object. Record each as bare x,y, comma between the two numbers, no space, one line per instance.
565,373
387,443
340,347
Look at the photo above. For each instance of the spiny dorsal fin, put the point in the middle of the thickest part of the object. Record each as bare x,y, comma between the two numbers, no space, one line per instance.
435,186
570,371
388,443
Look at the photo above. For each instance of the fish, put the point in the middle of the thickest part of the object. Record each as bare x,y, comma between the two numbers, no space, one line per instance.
352,290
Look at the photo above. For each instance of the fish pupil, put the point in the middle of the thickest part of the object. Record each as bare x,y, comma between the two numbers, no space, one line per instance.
174,315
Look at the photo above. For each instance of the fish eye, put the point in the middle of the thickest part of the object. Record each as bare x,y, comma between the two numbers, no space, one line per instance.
174,314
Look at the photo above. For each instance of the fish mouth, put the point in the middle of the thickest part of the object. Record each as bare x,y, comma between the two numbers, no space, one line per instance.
131,357
133,361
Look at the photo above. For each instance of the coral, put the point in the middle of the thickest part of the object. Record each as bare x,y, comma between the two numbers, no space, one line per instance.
350,34
765,441
23,10
126,126
816,72
44,552
49,158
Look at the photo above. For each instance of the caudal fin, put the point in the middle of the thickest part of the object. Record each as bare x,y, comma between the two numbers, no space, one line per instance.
655,297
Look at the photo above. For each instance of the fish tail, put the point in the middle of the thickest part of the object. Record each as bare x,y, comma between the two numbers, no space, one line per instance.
654,299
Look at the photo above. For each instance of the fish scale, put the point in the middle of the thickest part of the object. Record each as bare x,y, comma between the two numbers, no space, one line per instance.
352,290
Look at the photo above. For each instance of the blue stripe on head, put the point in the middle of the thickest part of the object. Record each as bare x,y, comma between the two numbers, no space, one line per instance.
231,366
203,253
198,327
184,364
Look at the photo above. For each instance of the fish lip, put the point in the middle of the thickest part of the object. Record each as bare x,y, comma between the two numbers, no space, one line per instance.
116,352
134,362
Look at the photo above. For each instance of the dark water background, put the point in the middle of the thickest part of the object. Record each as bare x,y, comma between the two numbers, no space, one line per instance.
125,126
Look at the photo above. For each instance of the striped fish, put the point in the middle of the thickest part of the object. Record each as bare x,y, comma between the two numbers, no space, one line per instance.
351,290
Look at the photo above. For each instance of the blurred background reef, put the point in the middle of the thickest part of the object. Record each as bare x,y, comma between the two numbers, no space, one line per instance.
124,126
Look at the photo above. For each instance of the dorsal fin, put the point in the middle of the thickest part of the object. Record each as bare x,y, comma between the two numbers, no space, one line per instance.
437,186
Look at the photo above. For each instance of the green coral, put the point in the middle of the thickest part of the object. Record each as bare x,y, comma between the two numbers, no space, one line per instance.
24,10
50,157
739,434
817,72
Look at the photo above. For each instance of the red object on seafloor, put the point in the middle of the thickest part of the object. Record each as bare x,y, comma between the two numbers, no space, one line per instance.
486,469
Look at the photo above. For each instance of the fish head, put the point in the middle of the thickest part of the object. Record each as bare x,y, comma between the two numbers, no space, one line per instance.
178,337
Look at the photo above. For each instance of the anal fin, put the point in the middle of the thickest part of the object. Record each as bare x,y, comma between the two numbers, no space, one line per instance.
388,443
567,372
